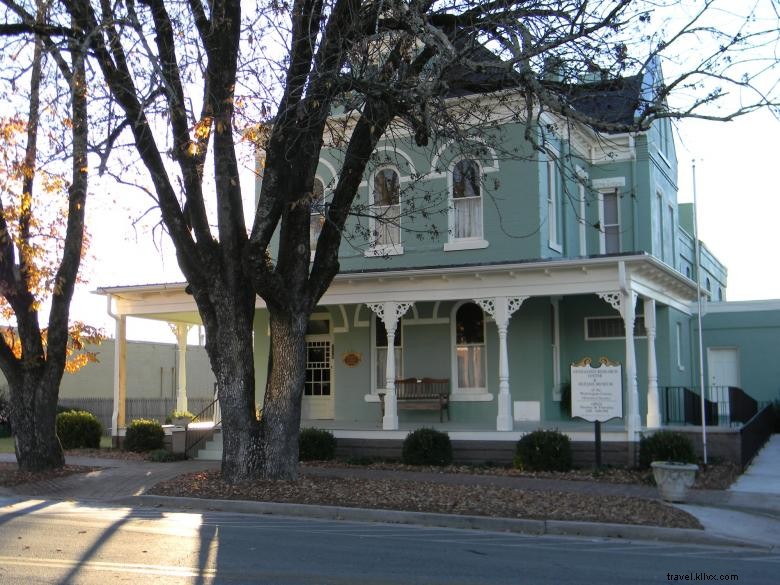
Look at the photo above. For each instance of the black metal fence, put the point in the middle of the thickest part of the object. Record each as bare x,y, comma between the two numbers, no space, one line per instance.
723,406
153,408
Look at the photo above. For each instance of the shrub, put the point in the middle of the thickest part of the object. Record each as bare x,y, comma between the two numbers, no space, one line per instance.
5,415
79,429
543,451
179,414
144,435
165,456
316,445
427,447
665,446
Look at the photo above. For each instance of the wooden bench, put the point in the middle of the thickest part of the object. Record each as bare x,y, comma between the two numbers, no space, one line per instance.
421,394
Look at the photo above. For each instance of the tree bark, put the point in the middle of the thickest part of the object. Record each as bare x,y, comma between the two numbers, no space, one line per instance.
34,413
281,417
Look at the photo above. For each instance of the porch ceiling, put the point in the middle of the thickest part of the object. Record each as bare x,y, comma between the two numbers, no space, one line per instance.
644,275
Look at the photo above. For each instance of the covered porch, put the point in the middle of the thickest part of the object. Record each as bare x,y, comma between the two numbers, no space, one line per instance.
529,321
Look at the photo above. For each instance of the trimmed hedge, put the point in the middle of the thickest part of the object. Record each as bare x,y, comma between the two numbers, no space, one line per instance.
144,435
666,446
427,447
79,429
316,445
543,451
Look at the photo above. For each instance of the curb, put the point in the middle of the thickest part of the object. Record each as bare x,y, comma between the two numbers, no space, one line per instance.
515,525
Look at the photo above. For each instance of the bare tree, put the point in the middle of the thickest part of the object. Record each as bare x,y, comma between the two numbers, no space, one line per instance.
279,71
41,229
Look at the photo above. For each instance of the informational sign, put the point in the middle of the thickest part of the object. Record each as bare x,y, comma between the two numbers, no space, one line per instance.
596,393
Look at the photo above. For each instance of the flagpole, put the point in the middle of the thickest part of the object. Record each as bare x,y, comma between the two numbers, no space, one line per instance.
698,316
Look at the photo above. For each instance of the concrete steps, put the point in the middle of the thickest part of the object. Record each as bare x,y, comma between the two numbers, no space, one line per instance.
212,449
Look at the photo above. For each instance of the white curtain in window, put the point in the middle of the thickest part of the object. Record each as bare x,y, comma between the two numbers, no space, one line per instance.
381,366
468,217
388,227
471,369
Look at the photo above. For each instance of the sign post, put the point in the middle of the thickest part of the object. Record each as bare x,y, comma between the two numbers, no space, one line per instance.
597,394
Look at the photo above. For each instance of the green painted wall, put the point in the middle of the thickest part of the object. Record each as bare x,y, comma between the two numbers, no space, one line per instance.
756,336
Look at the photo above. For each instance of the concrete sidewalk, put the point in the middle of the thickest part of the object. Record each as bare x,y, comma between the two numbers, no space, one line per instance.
730,517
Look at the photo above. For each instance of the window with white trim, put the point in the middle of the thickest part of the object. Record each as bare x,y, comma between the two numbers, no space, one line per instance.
553,203
609,221
581,219
612,327
678,335
386,209
669,235
470,348
317,218
380,353
466,200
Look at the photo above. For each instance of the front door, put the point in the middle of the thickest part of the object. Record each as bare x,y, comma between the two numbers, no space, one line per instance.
318,389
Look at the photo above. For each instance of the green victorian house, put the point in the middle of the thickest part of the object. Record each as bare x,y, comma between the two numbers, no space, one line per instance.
480,271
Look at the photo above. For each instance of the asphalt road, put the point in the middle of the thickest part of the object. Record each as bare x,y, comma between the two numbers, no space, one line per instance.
68,542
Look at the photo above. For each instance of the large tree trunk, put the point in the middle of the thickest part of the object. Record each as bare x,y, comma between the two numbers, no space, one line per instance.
34,413
281,418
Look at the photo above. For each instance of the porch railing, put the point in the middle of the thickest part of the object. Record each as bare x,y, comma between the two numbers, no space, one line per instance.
723,406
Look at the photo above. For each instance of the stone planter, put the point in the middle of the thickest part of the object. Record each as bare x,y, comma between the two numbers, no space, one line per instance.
674,479
181,421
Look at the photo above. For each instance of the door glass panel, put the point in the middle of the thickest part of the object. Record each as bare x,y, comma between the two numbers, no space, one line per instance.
318,358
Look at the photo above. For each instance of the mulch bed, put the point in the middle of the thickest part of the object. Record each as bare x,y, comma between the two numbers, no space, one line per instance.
716,477
433,497
10,475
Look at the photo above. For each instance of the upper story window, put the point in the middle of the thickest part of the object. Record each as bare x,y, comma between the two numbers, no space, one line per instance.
610,221
582,211
317,218
386,210
553,203
465,212
470,347
466,200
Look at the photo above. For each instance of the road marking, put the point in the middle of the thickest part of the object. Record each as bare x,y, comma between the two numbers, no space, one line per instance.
135,568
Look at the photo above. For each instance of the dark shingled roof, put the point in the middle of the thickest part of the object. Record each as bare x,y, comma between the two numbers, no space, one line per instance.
614,101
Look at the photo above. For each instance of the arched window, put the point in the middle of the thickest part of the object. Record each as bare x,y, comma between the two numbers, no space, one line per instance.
470,347
386,199
317,218
466,200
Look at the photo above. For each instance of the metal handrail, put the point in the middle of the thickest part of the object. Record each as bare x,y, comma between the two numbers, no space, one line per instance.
206,435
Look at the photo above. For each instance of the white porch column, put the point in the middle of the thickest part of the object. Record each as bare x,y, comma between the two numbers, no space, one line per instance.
390,312
501,309
120,376
653,400
181,330
627,310
625,303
